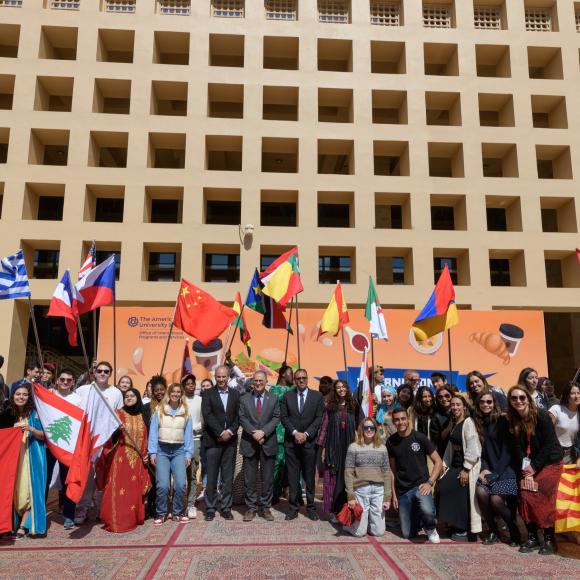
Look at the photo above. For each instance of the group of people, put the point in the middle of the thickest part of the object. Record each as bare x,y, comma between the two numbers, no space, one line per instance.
427,457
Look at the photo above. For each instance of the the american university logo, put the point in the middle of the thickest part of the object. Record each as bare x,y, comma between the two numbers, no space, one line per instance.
415,447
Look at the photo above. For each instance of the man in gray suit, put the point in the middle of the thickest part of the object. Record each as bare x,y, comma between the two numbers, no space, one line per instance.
259,415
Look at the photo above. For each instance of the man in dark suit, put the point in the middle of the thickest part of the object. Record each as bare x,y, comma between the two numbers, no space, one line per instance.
220,410
301,413
259,415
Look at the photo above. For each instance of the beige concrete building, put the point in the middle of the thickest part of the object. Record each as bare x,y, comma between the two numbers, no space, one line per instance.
384,138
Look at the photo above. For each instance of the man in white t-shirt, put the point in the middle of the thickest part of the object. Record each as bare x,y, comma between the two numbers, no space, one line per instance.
111,393
63,388
114,397
193,397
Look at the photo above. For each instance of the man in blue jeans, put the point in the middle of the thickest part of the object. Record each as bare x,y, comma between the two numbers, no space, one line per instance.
413,494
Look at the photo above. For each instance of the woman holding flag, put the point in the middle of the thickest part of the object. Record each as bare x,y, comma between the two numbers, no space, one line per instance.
122,469
29,490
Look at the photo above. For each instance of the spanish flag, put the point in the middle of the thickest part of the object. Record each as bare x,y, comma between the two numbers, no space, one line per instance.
568,501
440,312
336,315
281,279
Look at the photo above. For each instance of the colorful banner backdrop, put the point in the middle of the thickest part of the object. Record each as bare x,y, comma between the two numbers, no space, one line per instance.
498,343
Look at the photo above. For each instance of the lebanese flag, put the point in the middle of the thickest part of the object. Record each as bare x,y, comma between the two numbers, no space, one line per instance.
63,304
186,363
97,288
10,446
199,314
98,424
61,423
365,387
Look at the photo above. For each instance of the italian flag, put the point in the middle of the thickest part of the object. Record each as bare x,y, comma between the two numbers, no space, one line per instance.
61,422
374,314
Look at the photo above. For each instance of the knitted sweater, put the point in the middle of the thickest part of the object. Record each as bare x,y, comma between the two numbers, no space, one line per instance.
364,465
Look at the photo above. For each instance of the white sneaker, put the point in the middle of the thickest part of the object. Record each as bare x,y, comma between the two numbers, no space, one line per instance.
433,536
192,512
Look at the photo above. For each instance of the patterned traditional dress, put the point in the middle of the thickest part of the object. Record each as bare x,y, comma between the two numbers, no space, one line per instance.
124,477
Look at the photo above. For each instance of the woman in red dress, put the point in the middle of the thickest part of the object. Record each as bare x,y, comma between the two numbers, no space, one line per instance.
123,469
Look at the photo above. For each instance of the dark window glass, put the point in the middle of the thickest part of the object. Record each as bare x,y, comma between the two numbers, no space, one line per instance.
442,218
333,268
162,267
50,208
389,217
45,264
222,268
223,212
549,220
554,274
109,209
333,215
398,269
165,211
499,272
278,214
496,219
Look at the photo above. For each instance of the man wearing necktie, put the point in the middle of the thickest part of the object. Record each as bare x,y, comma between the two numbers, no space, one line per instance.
301,413
259,415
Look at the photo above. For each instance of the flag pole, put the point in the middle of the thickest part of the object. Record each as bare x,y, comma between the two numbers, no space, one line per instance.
35,329
288,329
95,340
449,349
344,354
297,331
168,340
114,338
83,346
373,365
237,325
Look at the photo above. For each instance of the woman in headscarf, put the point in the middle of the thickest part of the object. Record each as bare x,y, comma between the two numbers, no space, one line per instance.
30,486
123,469
385,412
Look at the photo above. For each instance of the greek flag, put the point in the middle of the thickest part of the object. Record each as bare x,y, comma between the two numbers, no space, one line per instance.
13,277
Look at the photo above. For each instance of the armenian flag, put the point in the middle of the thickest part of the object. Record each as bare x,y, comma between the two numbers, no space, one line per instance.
281,279
240,323
336,314
440,312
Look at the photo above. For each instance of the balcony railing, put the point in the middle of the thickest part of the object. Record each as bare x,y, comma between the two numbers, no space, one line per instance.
487,18
124,6
65,4
175,7
11,3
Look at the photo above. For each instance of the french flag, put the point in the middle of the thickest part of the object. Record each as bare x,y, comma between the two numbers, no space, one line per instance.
97,288
63,304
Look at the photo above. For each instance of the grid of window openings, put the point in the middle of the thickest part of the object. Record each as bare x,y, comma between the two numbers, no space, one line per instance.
162,140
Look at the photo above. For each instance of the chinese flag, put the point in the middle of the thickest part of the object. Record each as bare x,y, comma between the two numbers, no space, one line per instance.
199,314
10,445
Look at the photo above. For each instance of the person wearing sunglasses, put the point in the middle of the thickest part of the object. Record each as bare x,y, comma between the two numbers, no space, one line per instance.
413,494
539,459
440,426
497,488
114,397
368,479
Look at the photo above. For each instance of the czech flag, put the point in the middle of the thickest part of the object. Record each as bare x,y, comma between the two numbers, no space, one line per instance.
63,304
97,288
440,312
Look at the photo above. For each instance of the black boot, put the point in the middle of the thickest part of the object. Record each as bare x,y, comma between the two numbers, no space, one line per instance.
548,547
532,543
491,538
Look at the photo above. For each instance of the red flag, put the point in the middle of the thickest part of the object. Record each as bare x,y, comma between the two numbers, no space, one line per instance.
98,424
186,363
199,314
578,254
10,445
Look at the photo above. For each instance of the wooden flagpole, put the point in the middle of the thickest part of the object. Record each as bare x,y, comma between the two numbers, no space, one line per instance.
297,332
95,338
83,346
114,339
344,354
450,360
168,340
236,326
35,329
288,329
